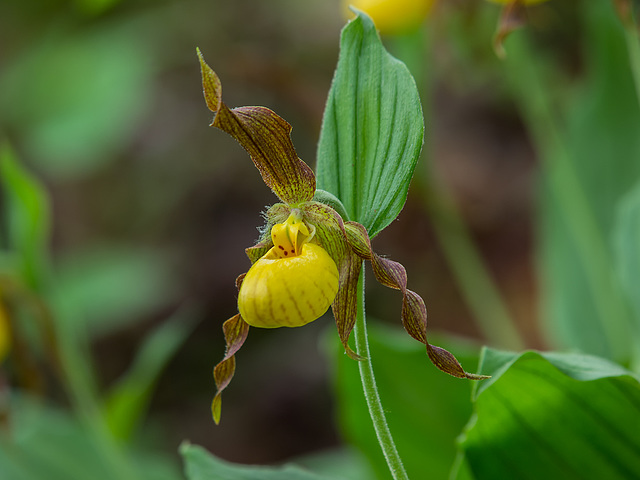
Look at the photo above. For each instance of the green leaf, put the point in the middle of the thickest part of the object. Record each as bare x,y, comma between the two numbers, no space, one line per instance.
201,465
553,415
109,286
129,399
425,409
28,218
47,443
343,463
78,98
372,130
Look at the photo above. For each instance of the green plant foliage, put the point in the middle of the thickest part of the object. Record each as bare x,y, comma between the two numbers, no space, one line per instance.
28,218
342,463
425,409
51,444
553,415
76,97
201,465
585,308
129,399
627,243
372,130
108,286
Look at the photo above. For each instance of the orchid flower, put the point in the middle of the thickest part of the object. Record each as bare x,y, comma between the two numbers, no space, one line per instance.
310,257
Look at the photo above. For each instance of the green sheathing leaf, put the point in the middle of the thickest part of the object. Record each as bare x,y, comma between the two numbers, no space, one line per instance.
584,305
554,416
201,465
372,130
426,410
27,208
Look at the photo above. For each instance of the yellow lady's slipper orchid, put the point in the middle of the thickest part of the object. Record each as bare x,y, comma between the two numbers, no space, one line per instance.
310,258
392,16
293,284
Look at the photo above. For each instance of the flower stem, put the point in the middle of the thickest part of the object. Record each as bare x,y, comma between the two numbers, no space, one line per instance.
371,390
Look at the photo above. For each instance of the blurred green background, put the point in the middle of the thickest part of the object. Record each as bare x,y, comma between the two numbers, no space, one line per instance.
145,211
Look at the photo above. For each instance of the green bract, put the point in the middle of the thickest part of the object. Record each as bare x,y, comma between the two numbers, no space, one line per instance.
368,183
372,131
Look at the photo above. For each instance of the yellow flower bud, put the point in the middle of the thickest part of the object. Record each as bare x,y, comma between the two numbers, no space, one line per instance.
293,284
392,16
5,334
524,2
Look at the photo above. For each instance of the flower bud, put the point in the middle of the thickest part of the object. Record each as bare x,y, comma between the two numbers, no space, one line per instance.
393,16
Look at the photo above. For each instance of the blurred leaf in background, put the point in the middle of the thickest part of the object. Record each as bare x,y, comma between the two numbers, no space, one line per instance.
25,208
201,465
48,443
110,287
128,400
74,95
594,166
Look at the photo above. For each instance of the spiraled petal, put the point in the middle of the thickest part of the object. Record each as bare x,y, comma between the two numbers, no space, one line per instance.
235,333
414,313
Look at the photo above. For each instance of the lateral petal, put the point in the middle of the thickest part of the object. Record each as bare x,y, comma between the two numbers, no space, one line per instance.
414,313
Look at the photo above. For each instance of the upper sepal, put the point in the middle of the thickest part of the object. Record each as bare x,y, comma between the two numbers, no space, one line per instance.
267,139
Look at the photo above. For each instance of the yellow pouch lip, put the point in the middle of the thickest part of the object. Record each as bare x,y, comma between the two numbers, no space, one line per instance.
288,292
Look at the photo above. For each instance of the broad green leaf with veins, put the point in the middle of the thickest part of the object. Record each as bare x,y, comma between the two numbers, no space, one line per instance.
372,131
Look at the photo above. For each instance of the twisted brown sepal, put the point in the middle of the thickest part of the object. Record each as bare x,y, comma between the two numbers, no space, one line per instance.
267,139
235,333
414,313
513,17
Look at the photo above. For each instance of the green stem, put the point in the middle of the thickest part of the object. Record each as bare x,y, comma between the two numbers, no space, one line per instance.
371,390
